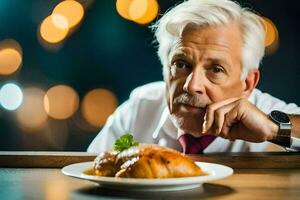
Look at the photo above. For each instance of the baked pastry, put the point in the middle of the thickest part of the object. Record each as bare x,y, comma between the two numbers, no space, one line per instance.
145,161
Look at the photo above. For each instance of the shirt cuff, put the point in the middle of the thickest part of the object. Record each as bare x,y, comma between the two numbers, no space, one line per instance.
295,145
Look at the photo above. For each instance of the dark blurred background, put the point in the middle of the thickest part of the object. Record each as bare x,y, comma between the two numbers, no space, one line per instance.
70,86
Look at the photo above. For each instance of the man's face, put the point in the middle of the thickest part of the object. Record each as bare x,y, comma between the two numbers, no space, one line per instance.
205,67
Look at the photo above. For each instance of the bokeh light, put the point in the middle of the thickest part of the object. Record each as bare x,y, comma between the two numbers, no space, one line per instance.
11,96
272,36
97,105
53,29
31,114
122,7
61,102
143,11
139,11
60,21
72,10
10,56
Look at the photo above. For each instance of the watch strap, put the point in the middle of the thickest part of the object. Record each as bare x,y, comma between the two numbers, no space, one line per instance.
283,138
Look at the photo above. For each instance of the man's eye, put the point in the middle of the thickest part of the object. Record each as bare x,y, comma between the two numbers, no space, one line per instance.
218,69
181,64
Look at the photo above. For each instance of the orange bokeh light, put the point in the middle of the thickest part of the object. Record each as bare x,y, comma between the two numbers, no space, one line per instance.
97,105
122,7
139,11
73,11
143,11
61,102
10,60
31,114
52,29
10,56
272,36
271,32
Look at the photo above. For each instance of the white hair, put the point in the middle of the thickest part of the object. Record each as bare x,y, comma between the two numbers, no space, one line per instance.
169,28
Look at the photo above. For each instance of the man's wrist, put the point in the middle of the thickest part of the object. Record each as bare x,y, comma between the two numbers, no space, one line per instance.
280,129
272,130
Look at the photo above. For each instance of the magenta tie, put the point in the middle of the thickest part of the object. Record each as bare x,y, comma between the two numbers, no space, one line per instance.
193,145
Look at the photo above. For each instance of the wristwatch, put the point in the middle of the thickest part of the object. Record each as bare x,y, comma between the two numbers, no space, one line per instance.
283,137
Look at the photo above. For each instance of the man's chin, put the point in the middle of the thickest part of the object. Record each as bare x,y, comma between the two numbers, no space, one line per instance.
191,125
195,131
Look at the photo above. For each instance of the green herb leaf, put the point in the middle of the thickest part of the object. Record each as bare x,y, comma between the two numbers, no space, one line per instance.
125,142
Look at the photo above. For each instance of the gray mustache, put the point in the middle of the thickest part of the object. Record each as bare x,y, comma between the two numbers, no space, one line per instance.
188,99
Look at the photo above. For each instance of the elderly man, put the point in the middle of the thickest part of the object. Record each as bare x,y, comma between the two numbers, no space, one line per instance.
210,51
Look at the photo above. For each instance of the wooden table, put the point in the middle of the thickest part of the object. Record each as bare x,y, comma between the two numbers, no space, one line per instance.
36,175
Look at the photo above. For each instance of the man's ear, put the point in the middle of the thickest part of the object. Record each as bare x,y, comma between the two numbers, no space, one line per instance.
251,82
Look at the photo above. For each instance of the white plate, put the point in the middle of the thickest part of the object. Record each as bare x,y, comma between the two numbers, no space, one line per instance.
214,171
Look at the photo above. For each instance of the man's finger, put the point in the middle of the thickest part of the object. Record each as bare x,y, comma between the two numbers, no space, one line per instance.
229,121
220,115
210,110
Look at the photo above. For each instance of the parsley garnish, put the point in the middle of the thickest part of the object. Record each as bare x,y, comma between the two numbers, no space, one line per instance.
125,142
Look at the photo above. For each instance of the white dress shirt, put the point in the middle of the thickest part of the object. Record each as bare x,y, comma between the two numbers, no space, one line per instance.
146,116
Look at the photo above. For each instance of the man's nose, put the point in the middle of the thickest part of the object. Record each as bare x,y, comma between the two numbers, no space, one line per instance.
194,83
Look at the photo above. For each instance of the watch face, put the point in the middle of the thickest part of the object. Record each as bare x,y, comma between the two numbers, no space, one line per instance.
280,117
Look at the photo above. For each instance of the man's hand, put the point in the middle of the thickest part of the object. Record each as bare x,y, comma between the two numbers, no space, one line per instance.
237,118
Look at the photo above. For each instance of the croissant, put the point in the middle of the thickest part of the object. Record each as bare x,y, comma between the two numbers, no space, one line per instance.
145,161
